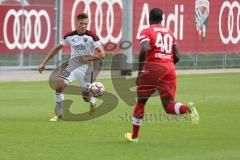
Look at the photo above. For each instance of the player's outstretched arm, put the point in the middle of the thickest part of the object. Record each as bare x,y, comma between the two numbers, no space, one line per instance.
176,54
98,54
51,54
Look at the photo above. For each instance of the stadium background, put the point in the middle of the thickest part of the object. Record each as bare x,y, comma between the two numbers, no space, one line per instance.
27,101
23,46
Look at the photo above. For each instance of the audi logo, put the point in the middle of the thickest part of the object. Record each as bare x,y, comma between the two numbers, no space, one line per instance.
230,22
99,18
79,47
36,27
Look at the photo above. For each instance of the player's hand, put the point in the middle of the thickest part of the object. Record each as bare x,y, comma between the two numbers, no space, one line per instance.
83,58
41,68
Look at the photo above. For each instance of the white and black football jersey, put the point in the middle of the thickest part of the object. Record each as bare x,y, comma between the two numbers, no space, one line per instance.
81,44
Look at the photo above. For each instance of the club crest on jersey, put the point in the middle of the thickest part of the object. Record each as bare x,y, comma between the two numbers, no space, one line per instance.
201,17
85,39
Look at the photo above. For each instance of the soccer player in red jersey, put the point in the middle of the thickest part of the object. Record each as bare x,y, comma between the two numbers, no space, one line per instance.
158,54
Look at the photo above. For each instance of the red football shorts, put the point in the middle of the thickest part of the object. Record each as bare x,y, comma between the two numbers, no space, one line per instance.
160,77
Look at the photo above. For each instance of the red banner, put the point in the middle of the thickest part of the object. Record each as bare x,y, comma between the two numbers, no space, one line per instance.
37,35
200,26
105,18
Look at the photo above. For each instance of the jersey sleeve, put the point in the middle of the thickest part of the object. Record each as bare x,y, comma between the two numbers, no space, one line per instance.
97,44
144,36
63,41
96,41
66,38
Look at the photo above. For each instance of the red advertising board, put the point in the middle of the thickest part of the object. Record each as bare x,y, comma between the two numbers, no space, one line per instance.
105,18
37,35
200,26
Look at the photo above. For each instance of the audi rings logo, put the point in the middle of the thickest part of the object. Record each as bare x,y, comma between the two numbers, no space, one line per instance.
79,47
99,18
230,22
28,28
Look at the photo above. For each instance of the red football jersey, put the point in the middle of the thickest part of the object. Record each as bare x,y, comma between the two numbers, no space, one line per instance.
161,40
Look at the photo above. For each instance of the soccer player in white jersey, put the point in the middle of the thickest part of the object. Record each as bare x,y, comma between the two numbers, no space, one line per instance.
85,48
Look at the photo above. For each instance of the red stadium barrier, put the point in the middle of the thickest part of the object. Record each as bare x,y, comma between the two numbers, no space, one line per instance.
104,18
200,26
36,37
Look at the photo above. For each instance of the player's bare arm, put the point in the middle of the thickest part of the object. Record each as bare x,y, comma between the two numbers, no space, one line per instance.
98,54
145,46
51,54
176,54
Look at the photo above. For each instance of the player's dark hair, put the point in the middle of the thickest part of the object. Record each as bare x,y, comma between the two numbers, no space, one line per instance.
155,16
82,16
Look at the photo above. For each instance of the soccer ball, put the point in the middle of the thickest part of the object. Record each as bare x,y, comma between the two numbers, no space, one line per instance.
96,88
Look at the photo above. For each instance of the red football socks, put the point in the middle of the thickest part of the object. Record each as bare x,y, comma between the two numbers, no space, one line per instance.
138,115
176,108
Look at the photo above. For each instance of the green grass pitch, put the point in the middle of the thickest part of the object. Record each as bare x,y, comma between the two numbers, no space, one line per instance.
26,134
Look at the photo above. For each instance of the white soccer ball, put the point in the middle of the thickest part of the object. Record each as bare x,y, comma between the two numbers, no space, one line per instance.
97,89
